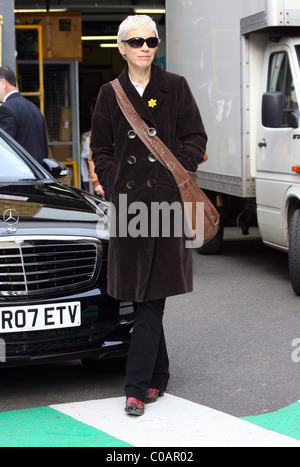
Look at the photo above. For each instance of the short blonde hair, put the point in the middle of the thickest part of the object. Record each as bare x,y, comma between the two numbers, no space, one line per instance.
134,22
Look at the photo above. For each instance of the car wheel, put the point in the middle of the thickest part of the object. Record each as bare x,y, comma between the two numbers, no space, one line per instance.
294,251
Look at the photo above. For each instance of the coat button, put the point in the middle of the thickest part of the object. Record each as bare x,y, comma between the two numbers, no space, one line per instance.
151,183
131,134
130,185
151,158
131,160
151,131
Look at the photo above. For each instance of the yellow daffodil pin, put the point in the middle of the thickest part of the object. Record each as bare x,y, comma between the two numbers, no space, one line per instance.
152,103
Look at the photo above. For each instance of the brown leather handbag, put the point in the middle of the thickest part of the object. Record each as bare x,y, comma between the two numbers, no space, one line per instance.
192,197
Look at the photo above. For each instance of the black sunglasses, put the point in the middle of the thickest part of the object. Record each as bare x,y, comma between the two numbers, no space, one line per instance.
138,42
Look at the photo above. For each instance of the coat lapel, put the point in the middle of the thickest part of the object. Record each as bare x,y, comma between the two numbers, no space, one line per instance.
153,97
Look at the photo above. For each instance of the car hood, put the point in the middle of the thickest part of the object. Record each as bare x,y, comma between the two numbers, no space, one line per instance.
51,207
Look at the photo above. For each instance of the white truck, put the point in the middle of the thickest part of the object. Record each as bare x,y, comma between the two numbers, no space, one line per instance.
242,61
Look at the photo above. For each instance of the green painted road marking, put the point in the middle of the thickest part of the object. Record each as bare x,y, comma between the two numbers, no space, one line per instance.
284,421
45,427
87,424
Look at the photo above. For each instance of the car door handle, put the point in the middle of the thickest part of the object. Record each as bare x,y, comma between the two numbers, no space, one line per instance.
262,144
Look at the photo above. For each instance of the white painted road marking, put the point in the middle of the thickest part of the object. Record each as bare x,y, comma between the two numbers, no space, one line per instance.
173,422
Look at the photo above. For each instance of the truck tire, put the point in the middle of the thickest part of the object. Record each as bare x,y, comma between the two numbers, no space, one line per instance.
214,247
294,251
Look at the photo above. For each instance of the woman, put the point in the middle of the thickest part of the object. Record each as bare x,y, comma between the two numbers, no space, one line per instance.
145,267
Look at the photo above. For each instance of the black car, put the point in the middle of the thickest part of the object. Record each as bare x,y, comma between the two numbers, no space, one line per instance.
53,254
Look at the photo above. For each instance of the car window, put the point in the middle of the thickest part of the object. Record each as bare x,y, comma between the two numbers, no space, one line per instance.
281,80
298,53
13,167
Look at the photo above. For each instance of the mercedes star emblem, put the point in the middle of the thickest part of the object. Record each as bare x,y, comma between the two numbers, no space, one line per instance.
11,218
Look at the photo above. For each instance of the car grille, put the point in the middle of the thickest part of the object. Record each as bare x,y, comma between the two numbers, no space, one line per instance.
35,265
88,336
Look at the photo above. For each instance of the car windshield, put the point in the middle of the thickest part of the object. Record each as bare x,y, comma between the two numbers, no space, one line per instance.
13,167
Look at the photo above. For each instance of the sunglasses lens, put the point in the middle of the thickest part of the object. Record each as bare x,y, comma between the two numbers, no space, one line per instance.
152,42
136,42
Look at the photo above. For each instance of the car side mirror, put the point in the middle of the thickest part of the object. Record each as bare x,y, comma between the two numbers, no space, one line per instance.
56,168
272,109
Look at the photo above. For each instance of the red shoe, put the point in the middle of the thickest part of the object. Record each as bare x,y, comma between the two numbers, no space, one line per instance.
152,395
134,406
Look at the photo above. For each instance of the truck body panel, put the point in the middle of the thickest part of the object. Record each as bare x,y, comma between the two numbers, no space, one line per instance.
231,54
242,61
204,44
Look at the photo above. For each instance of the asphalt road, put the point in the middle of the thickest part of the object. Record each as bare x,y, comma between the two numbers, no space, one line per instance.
230,342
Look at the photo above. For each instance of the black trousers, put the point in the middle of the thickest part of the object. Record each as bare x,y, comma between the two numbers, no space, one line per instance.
147,362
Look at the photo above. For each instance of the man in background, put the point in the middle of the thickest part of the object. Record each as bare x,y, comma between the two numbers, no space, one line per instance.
20,118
